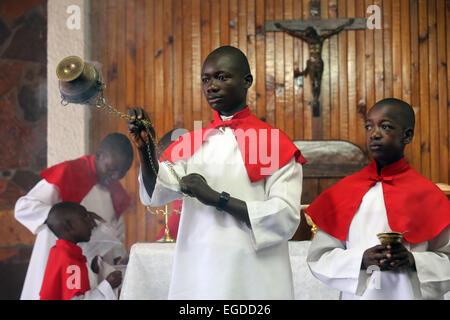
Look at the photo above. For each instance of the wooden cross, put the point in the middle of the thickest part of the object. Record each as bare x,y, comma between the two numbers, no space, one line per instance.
315,31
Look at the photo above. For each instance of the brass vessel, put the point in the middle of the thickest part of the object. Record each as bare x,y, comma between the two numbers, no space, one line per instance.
79,81
390,237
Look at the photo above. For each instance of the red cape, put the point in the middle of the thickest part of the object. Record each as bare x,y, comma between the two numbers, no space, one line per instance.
260,144
75,178
66,274
413,203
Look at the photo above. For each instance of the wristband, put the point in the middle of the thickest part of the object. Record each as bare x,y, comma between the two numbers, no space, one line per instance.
223,199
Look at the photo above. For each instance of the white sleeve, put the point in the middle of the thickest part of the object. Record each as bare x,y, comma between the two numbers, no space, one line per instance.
276,219
433,266
332,263
167,188
103,291
32,209
119,228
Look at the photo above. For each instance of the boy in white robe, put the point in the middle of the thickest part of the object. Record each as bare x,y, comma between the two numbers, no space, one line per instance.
66,275
241,210
387,195
91,181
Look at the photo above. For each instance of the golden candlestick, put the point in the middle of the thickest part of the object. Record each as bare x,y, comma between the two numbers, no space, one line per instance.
166,237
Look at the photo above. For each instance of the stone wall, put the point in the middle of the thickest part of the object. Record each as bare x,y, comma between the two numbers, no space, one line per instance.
23,129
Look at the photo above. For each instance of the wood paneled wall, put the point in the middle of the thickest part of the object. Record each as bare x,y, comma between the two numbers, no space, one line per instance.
152,53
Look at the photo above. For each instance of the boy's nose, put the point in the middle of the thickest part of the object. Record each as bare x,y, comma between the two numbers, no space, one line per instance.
115,176
375,133
212,87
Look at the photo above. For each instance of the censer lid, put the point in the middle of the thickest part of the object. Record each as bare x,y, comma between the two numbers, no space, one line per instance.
69,68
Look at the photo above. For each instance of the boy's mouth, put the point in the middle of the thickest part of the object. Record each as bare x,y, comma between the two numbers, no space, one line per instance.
214,99
106,182
375,147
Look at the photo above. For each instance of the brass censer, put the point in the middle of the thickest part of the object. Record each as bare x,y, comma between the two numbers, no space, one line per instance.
81,83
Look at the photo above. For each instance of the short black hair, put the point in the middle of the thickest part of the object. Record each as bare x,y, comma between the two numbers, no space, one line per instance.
240,57
117,143
404,109
60,213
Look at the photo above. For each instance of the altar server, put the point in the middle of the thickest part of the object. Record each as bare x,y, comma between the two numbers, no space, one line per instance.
244,181
387,195
92,181
66,275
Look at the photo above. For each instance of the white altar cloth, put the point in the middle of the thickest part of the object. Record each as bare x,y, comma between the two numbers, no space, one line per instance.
149,268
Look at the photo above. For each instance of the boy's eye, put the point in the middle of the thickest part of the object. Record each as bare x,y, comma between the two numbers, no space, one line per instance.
368,127
386,127
205,80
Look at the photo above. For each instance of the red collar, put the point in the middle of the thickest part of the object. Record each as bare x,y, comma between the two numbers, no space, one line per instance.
75,178
273,147
73,249
245,113
387,171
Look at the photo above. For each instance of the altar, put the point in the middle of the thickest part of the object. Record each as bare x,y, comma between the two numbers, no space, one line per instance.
148,273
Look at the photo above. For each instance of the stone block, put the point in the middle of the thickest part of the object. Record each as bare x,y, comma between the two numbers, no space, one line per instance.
13,9
25,179
13,233
16,139
10,74
31,103
4,32
9,193
29,42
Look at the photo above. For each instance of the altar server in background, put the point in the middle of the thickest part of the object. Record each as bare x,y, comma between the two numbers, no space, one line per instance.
92,181
66,275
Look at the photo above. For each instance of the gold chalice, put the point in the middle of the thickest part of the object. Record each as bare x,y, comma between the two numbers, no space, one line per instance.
391,237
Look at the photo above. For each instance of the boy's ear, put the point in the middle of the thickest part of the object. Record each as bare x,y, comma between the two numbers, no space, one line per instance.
248,79
408,135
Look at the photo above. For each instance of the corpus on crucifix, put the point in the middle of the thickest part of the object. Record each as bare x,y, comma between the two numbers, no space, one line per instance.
314,65
315,31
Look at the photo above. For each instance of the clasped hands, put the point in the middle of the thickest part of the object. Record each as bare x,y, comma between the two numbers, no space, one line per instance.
388,257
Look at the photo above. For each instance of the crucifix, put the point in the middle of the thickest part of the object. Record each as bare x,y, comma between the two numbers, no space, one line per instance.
314,31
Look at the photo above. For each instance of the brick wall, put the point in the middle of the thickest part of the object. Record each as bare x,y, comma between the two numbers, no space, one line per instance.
23,128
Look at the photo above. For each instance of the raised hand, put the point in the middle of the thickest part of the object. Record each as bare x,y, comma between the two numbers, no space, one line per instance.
147,156
94,265
136,130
